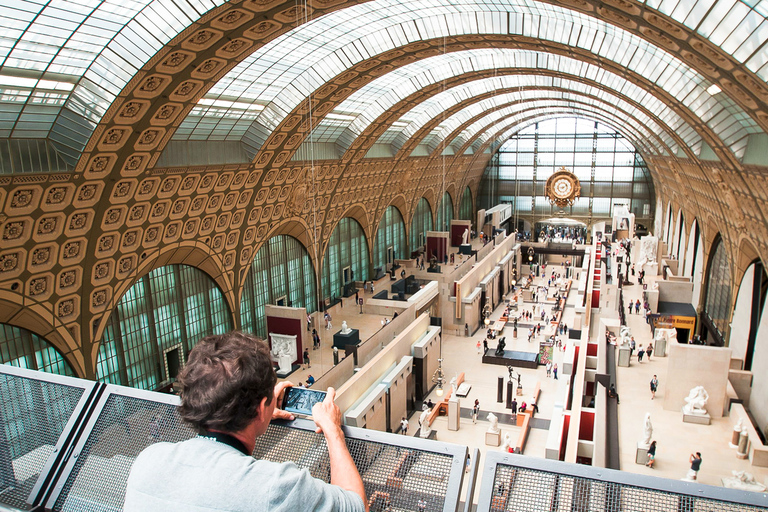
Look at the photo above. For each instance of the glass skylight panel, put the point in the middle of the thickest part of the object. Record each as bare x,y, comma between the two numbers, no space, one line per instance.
100,44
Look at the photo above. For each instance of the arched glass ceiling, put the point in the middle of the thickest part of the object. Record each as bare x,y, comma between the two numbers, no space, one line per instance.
525,119
527,98
281,74
738,27
398,136
370,103
487,126
63,62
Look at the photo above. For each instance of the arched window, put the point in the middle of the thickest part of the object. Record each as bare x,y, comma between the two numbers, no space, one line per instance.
465,209
25,349
718,293
444,213
281,274
156,323
346,258
391,234
421,223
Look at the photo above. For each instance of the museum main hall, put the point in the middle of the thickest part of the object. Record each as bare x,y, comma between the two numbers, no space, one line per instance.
466,216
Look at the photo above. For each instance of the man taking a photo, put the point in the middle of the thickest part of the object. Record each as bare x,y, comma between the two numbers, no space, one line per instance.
228,394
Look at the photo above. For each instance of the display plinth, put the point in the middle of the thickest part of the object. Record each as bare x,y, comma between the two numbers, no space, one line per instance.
625,355
465,249
515,358
493,438
342,340
660,350
641,455
454,414
701,419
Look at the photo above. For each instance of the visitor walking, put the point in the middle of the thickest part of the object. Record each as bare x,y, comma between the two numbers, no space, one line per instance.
637,307
640,354
649,351
404,426
651,454
554,371
315,339
306,358
475,411
549,368
654,386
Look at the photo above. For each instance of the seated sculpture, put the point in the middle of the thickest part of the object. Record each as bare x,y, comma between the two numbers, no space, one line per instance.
500,347
345,328
696,401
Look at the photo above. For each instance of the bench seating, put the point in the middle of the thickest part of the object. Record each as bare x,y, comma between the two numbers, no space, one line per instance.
524,421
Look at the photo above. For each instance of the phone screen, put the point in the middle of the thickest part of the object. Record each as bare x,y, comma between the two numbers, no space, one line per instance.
301,400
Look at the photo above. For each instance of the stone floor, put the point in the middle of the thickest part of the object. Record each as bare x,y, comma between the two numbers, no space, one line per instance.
675,439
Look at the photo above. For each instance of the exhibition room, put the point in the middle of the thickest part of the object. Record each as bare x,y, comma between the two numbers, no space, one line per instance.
521,241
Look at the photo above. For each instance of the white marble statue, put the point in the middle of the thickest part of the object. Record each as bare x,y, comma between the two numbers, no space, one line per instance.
743,481
453,387
625,334
666,334
465,237
284,351
494,423
647,430
345,328
425,428
507,442
648,245
696,401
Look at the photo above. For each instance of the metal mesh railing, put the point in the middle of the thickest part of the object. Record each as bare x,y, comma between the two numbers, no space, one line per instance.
522,484
33,416
399,472
124,426
395,477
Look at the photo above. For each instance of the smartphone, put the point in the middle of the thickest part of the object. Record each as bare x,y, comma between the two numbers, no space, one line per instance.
301,400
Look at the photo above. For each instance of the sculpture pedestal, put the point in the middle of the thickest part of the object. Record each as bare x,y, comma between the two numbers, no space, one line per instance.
701,419
624,356
285,363
493,438
341,340
660,348
641,455
465,249
454,414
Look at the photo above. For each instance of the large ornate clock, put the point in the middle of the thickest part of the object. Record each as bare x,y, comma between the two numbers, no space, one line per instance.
563,188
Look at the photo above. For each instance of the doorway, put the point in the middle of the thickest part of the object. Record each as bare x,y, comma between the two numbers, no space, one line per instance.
173,362
282,301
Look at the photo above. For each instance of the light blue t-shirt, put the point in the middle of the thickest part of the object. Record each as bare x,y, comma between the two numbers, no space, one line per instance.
203,475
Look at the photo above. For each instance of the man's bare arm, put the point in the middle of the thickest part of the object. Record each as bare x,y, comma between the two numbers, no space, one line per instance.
327,416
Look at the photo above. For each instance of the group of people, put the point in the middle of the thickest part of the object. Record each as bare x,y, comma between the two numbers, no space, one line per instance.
551,369
694,460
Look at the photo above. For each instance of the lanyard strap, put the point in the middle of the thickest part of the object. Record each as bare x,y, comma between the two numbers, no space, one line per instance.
227,439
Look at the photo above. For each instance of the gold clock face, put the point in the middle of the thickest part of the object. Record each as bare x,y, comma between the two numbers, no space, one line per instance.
563,188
